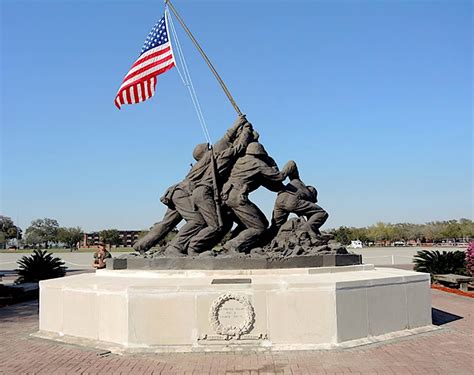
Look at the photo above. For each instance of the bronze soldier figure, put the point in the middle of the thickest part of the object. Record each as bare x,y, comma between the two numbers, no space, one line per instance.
161,229
204,194
301,200
178,199
251,171
196,222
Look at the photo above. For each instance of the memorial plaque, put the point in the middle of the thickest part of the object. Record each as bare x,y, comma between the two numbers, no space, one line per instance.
231,281
232,316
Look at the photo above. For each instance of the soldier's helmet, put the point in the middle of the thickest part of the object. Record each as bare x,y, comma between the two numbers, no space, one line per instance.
199,151
256,148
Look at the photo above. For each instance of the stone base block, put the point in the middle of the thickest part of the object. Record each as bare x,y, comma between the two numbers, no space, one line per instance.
279,309
233,262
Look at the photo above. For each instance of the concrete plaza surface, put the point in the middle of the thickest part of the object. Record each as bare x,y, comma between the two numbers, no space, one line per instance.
372,255
444,351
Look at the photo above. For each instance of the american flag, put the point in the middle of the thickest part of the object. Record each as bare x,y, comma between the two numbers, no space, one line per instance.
155,58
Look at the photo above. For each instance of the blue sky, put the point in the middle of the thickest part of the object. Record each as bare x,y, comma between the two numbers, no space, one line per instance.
372,99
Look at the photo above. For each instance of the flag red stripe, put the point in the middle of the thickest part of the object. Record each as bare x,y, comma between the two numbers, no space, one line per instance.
148,89
153,70
127,94
150,56
152,80
147,77
145,68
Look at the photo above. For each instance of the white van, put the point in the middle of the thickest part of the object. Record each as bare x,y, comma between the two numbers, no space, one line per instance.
356,244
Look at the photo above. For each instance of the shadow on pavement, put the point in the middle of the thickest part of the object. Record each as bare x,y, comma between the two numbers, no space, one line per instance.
19,311
406,267
7,273
441,317
77,272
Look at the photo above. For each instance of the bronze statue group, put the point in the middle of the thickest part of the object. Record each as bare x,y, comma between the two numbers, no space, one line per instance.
215,194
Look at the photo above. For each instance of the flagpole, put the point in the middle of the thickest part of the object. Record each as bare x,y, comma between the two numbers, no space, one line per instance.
206,59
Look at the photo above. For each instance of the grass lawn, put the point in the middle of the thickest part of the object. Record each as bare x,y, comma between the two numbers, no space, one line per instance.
63,250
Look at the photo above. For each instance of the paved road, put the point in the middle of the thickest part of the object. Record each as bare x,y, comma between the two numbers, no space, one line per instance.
381,256
375,255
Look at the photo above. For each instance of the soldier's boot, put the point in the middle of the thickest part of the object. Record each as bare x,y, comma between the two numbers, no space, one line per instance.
139,248
154,252
173,251
314,234
192,253
229,249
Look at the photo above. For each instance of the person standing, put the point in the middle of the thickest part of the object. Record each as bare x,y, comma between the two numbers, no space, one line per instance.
100,256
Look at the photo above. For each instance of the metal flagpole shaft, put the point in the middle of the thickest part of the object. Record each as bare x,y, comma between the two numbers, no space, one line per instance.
215,188
214,71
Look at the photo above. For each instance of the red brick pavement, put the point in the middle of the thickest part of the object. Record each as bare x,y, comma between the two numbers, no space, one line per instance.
447,351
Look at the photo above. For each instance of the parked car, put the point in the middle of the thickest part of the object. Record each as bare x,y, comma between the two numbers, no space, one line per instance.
399,243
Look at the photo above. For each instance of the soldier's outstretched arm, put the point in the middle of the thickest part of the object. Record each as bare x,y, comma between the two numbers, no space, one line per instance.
226,157
290,170
245,137
166,198
230,135
272,177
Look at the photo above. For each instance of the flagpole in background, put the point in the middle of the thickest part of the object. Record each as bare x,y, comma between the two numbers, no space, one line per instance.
214,71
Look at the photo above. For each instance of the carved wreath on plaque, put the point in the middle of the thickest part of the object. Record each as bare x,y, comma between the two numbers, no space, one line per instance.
230,330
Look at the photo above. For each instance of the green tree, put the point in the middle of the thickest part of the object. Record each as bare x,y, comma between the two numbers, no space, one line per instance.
110,237
70,236
3,240
8,230
415,232
467,228
433,230
401,231
380,232
45,230
33,239
343,235
451,230
360,234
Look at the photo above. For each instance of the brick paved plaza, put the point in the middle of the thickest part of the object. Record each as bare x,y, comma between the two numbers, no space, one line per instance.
445,351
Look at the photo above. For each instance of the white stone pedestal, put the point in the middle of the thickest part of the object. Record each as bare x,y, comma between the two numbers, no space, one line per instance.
282,309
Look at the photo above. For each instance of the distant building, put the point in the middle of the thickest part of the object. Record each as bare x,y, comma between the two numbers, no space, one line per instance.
128,238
